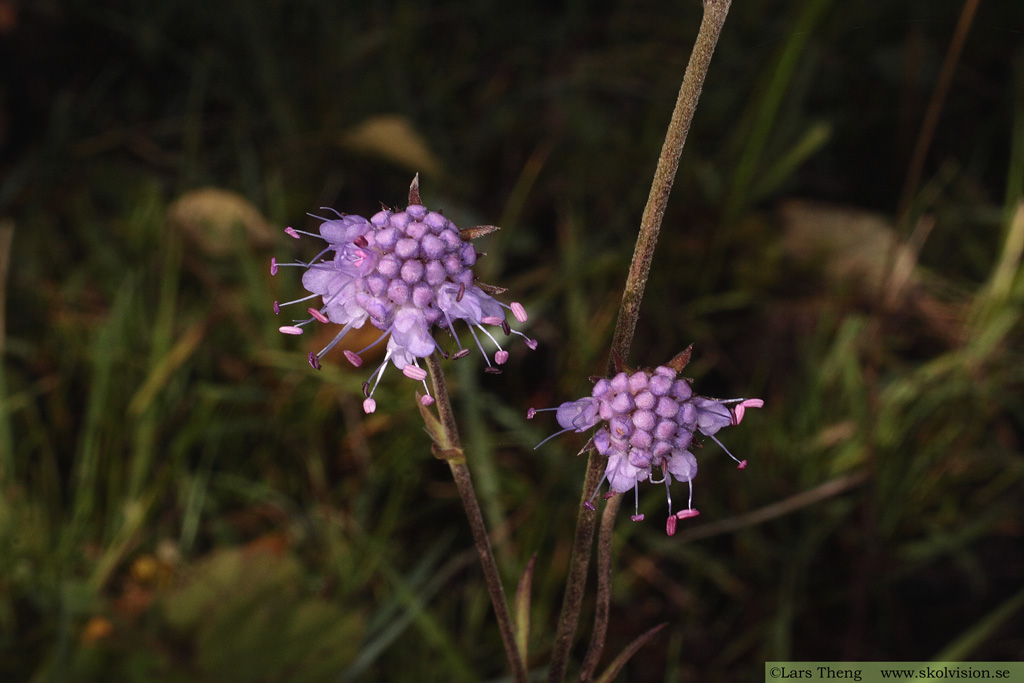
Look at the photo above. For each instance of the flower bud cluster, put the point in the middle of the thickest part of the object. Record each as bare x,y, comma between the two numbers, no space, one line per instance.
647,421
404,272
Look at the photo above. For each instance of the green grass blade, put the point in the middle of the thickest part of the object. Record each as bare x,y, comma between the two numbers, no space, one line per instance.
970,640
740,193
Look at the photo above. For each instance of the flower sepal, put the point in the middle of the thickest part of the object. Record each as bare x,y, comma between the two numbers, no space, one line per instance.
681,360
452,455
430,420
477,231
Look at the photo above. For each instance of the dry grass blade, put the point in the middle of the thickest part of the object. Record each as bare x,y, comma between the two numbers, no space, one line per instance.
938,99
779,509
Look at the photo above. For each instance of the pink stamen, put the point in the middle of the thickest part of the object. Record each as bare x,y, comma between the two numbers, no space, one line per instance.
742,465
369,405
317,315
531,413
277,308
290,329
291,232
518,311
355,360
413,372
637,518
273,265
531,344
427,400
740,408
590,506
492,320
670,525
500,357
686,514
314,361
460,353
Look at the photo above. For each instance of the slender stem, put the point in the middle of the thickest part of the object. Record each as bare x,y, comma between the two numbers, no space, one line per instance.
450,430
715,12
935,104
451,450
604,589
664,176
577,579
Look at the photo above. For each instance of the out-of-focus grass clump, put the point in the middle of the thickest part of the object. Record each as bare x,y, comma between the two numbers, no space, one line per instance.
182,498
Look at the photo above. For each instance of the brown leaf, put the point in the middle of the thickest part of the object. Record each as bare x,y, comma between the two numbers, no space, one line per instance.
209,217
855,247
393,138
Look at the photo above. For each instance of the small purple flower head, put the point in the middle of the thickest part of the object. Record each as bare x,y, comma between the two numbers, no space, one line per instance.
404,272
645,422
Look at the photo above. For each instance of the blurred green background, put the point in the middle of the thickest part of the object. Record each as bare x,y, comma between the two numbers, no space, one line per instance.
183,499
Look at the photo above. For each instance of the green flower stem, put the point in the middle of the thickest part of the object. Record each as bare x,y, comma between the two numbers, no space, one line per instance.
449,448
715,12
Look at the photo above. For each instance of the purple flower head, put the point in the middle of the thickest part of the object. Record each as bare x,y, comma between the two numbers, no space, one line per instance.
645,423
404,272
